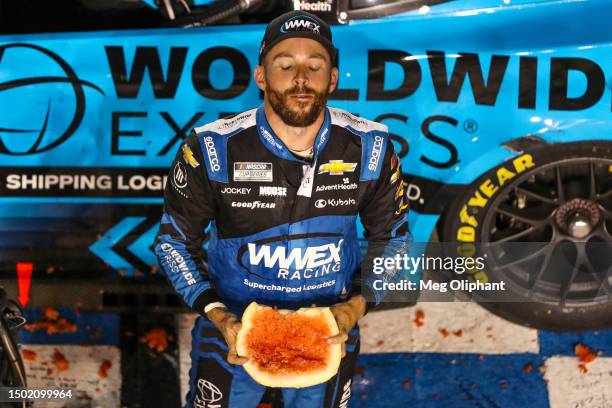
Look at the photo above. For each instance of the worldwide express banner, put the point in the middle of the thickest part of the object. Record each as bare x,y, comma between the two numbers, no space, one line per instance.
91,121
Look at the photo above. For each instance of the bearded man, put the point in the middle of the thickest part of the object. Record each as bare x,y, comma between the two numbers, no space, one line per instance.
278,185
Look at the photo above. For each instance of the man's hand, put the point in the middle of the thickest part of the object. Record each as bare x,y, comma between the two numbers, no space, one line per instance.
229,325
347,314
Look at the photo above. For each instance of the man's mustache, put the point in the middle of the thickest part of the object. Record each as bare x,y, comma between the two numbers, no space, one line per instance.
301,91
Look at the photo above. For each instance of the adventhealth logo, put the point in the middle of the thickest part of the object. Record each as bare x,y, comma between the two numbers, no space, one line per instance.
300,23
318,6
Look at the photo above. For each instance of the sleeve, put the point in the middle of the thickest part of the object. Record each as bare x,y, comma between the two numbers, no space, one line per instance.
384,216
189,206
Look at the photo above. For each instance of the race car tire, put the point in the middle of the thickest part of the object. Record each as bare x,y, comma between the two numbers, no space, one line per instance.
505,185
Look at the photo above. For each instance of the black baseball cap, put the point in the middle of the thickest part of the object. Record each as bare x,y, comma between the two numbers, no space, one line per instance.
298,24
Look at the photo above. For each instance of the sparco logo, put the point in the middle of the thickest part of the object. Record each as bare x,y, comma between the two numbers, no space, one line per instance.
208,395
212,153
375,156
334,202
315,6
176,263
300,23
48,123
253,205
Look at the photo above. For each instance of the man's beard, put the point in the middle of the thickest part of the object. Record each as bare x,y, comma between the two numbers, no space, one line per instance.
297,118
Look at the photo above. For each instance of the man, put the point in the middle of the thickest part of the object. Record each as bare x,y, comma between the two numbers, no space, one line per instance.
281,186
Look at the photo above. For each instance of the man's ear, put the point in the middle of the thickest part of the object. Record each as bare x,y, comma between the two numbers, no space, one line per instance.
333,83
260,77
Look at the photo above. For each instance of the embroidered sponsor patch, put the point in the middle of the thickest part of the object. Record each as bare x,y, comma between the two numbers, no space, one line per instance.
273,191
334,202
213,157
337,167
188,157
375,153
179,175
208,395
253,171
236,190
253,205
346,185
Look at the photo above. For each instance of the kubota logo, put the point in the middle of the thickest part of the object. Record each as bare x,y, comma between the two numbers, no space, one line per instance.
334,202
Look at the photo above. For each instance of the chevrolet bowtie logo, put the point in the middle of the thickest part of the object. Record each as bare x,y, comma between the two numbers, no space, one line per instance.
189,158
337,167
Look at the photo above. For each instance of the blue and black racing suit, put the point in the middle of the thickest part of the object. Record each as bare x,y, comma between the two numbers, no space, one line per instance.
283,232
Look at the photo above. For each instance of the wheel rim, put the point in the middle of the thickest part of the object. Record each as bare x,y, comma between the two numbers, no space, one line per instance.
560,215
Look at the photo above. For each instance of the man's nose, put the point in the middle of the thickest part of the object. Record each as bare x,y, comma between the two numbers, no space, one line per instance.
301,76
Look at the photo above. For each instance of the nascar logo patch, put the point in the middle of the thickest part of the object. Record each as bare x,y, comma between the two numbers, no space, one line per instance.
253,171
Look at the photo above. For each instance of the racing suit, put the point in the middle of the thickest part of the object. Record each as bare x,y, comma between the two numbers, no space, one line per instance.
282,232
